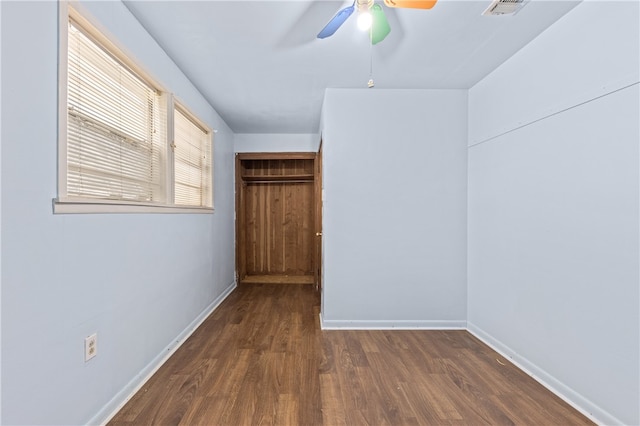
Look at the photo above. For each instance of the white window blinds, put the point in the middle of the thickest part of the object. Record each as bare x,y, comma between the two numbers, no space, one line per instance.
116,127
192,162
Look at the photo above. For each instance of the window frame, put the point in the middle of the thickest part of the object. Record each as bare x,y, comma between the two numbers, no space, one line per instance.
177,105
65,203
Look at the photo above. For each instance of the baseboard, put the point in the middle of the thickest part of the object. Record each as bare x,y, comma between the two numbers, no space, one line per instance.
392,324
122,397
564,392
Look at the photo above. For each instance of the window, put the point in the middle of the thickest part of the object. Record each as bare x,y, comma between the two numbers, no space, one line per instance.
192,161
123,145
114,130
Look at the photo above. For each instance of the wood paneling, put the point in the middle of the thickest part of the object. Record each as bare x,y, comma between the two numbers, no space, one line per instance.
279,228
289,168
261,358
275,217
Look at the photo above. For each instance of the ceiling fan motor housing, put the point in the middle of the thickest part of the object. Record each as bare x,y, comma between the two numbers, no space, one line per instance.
364,5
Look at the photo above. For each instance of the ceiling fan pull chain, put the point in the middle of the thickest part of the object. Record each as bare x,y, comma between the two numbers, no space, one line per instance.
370,83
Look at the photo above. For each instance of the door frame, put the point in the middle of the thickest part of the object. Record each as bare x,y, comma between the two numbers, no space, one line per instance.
240,183
317,267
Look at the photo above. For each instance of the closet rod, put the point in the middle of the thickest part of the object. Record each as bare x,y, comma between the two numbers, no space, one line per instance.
279,181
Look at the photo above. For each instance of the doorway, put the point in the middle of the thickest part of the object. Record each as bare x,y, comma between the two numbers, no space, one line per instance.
276,215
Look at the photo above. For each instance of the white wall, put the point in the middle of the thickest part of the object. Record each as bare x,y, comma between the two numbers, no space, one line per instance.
276,142
138,280
554,209
394,224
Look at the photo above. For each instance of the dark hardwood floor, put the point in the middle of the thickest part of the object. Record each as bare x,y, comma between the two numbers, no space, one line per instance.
261,359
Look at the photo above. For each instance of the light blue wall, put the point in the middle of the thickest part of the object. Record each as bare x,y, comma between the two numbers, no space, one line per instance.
138,280
276,142
554,209
0,223
394,224
553,220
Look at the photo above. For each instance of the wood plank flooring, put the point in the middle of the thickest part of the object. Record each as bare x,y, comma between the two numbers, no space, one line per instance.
261,359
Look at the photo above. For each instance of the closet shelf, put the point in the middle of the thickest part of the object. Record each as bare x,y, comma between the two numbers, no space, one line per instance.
283,178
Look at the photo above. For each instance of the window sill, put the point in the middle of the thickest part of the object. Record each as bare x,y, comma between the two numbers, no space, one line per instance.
104,206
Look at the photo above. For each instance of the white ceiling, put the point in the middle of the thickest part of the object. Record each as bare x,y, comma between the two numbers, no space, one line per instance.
262,68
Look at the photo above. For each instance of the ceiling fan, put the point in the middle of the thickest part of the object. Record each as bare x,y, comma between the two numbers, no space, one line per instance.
371,16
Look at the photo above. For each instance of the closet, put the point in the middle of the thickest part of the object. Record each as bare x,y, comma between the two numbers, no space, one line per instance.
276,215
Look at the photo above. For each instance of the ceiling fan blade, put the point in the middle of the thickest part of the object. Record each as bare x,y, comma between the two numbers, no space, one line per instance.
411,4
336,21
380,26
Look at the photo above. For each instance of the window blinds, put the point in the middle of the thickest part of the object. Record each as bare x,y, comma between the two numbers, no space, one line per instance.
192,162
115,146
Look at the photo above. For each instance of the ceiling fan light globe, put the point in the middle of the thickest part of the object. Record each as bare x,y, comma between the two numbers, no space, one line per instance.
364,21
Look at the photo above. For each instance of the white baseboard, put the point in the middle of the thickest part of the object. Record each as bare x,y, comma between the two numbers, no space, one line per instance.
392,324
570,396
122,397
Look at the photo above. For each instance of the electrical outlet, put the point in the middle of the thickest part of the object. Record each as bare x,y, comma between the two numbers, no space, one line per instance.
90,346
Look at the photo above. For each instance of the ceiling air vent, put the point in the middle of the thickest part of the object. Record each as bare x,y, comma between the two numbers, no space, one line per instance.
503,7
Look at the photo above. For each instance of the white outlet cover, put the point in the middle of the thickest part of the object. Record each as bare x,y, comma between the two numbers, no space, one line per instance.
90,346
